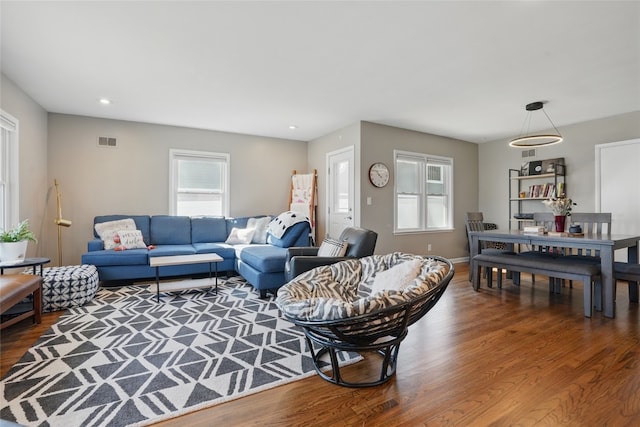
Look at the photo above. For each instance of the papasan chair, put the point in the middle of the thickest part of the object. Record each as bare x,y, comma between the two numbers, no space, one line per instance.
363,305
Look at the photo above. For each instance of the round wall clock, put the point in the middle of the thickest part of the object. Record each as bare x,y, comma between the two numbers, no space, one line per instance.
379,174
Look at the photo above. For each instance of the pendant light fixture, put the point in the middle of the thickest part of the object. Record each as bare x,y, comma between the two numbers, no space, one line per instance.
526,140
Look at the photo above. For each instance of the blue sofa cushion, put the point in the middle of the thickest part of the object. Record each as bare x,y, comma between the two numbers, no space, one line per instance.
208,229
142,224
170,230
167,250
111,257
292,237
264,258
95,245
222,249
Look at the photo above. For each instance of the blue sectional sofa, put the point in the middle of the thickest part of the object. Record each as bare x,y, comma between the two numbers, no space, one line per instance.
262,265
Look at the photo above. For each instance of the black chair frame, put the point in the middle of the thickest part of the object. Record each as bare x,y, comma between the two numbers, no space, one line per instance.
379,332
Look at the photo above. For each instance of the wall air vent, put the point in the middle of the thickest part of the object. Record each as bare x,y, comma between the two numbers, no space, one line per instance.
529,153
105,141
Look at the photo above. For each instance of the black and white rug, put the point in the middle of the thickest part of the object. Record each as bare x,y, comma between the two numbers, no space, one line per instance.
124,359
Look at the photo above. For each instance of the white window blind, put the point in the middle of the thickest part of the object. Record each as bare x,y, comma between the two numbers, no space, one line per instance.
199,183
423,192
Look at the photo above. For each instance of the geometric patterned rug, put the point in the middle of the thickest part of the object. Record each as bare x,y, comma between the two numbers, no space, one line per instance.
124,359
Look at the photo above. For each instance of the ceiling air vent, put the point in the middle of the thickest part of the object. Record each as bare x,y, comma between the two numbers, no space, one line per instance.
105,141
529,153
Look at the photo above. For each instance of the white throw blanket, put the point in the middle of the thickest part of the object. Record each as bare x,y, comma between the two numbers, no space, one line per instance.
279,225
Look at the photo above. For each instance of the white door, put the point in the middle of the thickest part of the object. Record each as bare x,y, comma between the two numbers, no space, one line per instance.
617,190
340,194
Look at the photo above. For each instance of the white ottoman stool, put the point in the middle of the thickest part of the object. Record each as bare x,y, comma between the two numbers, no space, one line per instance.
68,286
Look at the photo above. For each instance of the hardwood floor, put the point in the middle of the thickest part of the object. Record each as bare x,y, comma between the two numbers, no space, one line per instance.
516,356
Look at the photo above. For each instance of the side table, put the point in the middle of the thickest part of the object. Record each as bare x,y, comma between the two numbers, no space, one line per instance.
27,262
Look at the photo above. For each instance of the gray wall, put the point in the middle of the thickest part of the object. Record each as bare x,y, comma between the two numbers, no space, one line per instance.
378,143
578,150
134,177
32,130
375,143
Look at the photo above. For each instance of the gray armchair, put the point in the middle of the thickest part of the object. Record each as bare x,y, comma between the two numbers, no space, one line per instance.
361,243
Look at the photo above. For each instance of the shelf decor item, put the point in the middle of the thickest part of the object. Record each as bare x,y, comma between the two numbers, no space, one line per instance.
560,221
13,243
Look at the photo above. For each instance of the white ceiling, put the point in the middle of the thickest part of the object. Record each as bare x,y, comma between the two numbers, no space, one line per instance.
459,69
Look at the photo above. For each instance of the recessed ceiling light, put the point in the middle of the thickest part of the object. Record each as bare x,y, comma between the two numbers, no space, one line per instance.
105,101
293,127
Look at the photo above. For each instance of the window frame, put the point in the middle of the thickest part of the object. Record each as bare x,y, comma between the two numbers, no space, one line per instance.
179,154
9,172
424,161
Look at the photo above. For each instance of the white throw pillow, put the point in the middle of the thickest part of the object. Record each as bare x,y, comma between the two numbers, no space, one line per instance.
240,236
261,225
131,239
397,277
107,230
332,248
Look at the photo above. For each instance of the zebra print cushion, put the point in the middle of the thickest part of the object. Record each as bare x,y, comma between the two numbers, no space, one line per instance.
343,290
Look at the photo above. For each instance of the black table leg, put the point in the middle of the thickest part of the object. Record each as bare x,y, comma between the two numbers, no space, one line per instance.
157,284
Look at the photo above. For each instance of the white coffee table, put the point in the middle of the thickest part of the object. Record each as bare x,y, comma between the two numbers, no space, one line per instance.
163,261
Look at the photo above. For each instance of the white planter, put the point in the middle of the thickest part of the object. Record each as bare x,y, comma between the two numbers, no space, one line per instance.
13,252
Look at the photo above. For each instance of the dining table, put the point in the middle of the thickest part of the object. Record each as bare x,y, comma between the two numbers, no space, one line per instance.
605,244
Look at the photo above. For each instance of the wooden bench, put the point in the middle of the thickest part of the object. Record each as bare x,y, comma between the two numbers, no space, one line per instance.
16,287
571,269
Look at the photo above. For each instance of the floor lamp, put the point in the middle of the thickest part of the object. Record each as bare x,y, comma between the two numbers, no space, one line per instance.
60,223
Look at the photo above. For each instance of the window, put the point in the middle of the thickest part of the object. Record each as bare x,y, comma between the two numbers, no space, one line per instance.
199,183
9,202
423,192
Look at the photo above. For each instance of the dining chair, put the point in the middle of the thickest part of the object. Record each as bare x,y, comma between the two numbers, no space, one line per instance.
474,221
622,271
629,273
591,223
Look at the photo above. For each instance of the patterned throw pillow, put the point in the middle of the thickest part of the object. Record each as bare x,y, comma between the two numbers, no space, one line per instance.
332,248
131,239
107,230
240,236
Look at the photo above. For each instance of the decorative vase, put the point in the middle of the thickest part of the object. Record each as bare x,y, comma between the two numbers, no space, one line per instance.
560,220
13,252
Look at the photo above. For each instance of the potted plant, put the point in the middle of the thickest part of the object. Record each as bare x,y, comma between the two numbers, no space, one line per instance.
13,243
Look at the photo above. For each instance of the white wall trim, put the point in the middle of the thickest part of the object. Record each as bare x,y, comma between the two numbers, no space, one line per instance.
12,125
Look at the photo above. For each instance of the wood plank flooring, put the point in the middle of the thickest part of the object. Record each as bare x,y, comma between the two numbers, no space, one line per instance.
515,356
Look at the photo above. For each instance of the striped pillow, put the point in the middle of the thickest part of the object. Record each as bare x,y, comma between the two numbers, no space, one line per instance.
332,248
